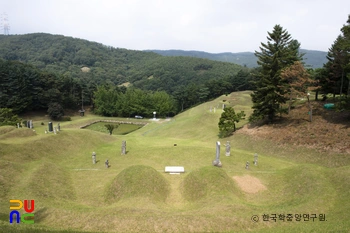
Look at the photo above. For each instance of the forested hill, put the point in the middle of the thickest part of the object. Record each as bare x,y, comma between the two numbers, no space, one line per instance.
67,56
39,69
312,58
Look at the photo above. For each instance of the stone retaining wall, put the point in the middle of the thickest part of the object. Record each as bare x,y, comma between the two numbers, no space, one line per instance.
113,121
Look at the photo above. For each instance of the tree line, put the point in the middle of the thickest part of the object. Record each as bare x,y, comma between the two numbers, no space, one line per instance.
282,76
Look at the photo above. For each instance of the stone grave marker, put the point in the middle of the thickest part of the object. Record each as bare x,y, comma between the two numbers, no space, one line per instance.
94,157
256,159
58,127
18,125
107,164
228,148
50,126
123,147
247,165
217,161
54,130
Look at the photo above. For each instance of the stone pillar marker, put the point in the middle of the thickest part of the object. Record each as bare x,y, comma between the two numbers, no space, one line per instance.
214,109
123,147
107,164
31,124
58,127
18,125
93,157
228,148
50,126
54,130
255,159
247,165
217,161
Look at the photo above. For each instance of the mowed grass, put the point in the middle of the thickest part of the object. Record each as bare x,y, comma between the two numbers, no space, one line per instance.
135,195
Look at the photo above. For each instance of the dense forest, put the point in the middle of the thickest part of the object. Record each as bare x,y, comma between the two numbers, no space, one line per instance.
312,58
39,69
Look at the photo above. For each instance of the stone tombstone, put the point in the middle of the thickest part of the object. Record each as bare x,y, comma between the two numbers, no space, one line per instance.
217,161
255,159
123,147
18,125
50,126
214,109
228,148
31,124
54,130
45,131
94,157
223,106
58,127
247,165
107,164
211,109
28,124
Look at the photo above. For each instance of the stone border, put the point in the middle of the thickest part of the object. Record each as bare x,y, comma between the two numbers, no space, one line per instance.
113,121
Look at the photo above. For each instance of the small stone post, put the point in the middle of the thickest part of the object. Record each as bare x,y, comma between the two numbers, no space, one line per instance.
228,148
58,127
107,164
18,125
255,159
247,165
123,147
93,158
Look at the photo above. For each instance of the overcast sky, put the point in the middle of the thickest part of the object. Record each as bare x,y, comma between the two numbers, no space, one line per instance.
206,25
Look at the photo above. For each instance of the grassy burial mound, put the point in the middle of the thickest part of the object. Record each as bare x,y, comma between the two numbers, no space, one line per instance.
138,181
50,181
208,182
12,132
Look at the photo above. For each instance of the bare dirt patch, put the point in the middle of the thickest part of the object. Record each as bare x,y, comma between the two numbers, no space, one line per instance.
249,184
329,130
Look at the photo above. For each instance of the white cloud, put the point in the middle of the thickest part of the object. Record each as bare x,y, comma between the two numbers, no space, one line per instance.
206,25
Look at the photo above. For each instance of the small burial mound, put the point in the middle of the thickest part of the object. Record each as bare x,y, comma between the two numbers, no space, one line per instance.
208,182
138,181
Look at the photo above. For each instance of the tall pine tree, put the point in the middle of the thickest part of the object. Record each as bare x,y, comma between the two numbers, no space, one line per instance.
338,65
279,52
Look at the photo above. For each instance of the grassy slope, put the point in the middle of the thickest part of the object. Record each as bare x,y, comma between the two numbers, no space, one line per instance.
44,167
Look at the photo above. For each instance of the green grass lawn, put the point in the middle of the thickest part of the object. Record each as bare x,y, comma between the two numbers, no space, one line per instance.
135,195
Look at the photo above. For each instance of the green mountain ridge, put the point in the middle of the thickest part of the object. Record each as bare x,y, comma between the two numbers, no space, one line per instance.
312,58
67,55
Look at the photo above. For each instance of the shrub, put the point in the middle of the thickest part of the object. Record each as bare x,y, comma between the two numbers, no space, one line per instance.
55,111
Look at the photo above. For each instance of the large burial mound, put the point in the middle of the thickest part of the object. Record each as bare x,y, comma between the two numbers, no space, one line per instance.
208,182
138,181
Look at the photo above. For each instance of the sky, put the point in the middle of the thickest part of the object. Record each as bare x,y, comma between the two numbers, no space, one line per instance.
213,26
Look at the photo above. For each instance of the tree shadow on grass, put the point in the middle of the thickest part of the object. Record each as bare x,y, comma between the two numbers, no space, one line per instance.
40,215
